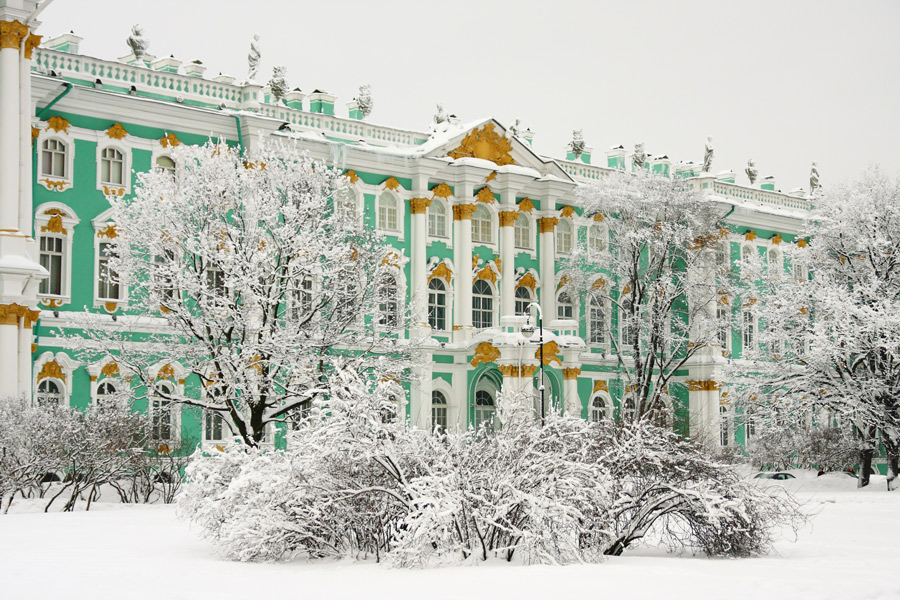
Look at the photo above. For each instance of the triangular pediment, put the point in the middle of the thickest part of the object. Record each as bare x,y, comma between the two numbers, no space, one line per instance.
487,140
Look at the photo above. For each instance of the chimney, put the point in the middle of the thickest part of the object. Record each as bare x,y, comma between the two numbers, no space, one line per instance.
194,69
167,64
661,165
768,183
353,110
321,102
67,42
294,99
615,158
527,135
727,176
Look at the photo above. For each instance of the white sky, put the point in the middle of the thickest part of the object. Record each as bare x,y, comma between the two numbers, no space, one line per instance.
782,82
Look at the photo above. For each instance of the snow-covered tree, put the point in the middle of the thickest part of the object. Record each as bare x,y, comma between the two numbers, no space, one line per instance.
830,340
576,144
364,100
649,265
257,274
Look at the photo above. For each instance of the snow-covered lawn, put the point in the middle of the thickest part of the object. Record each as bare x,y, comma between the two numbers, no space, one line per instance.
851,550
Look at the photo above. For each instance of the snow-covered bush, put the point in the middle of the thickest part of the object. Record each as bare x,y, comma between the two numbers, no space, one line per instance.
356,482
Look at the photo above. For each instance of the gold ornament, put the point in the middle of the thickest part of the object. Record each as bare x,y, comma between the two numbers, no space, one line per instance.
116,132
485,353
485,143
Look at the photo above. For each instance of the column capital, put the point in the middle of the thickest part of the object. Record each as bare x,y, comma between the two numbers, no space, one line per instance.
571,373
31,42
10,313
508,218
547,224
463,212
418,206
11,34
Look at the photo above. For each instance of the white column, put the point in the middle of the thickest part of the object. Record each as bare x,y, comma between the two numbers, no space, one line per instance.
9,344
418,251
420,394
547,225
9,130
507,262
571,401
25,141
462,223
24,366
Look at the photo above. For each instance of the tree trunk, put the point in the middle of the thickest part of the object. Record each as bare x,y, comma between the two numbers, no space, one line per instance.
893,460
865,465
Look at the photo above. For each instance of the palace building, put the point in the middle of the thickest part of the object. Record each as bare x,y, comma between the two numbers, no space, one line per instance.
480,219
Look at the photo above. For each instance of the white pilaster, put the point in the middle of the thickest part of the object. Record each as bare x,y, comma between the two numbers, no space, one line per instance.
508,215
24,366
547,228
9,142
25,141
9,363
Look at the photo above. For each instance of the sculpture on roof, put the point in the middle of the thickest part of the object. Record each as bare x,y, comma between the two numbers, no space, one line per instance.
813,179
515,128
253,58
751,171
639,157
137,42
708,155
577,144
440,116
364,101
278,84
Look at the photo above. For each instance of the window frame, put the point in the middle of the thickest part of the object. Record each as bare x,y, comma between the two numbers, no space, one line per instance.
107,187
52,182
491,308
597,303
572,303
440,406
444,291
54,219
491,225
569,235
605,411
518,226
398,213
446,215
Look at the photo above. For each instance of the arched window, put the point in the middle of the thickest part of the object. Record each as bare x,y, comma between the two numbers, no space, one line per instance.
523,231
724,426
482,225
749,330
597,238
387,212
166,164
161,425
597,321
437,219
107,278
49,393
346,204
628,324
301,299
523,299
484,410
437,304
112,167
53,159
388,305
52,254
438,411
749,424
722,258
564,236
746,256
723,333
800,271
106,393
628,409
565,307
774,266
598,409
482,305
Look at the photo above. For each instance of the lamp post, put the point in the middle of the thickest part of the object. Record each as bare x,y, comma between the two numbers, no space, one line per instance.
528,331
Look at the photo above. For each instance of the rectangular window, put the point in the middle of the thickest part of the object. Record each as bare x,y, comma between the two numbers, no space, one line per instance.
749,331
51,256
161,420
112,166
214,427
598,323
53,159
724,329
107,279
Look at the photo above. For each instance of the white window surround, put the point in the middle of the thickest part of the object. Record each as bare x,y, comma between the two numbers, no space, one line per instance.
55,219
566,233
120,380
104,142
400,211
598,237
449,290
517,238
494,225
606,410
592,305
59,184
494,299
176,378
573,301
444,236
62,377
439,384
104,233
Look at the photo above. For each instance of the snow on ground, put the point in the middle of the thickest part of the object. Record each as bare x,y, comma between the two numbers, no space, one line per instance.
849,551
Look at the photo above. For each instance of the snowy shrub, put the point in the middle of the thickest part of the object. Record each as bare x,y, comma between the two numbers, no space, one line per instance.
355,482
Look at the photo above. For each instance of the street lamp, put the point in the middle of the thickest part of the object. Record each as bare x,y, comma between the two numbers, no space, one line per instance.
528,331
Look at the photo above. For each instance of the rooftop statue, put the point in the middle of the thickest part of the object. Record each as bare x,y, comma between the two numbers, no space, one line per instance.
364,101
278,84
751,171
137,42
813,179
708,155
639,157
577,143
253,58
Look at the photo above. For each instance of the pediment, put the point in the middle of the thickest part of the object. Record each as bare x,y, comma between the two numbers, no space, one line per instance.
487,140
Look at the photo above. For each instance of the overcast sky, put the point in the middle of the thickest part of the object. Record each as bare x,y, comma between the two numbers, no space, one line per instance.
783,82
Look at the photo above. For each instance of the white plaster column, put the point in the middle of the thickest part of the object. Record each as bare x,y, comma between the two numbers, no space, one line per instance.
462,226
420,394
24,366
418,251
507,262
25,140
9,345
547,227
11,35
571,401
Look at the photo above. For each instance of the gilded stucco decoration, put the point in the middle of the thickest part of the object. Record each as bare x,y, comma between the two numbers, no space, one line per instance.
599,218
442,271
113,191
567,211
54,185
562,281
509,370
485,353
111,307
352,176
391,259
487,144
35,132
491,176
551,349
57,124
55,224
116,132
599,284
169,141
750,236
31,42
108,232
485,195
526,205
442,190
487,274
463,212
571,373
10,313
391,183
11,34
600,386
527,280
419,206
508,218
166,372
547,224
53,370
110,369
776,239
528,370
803,243
51,302
707,385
